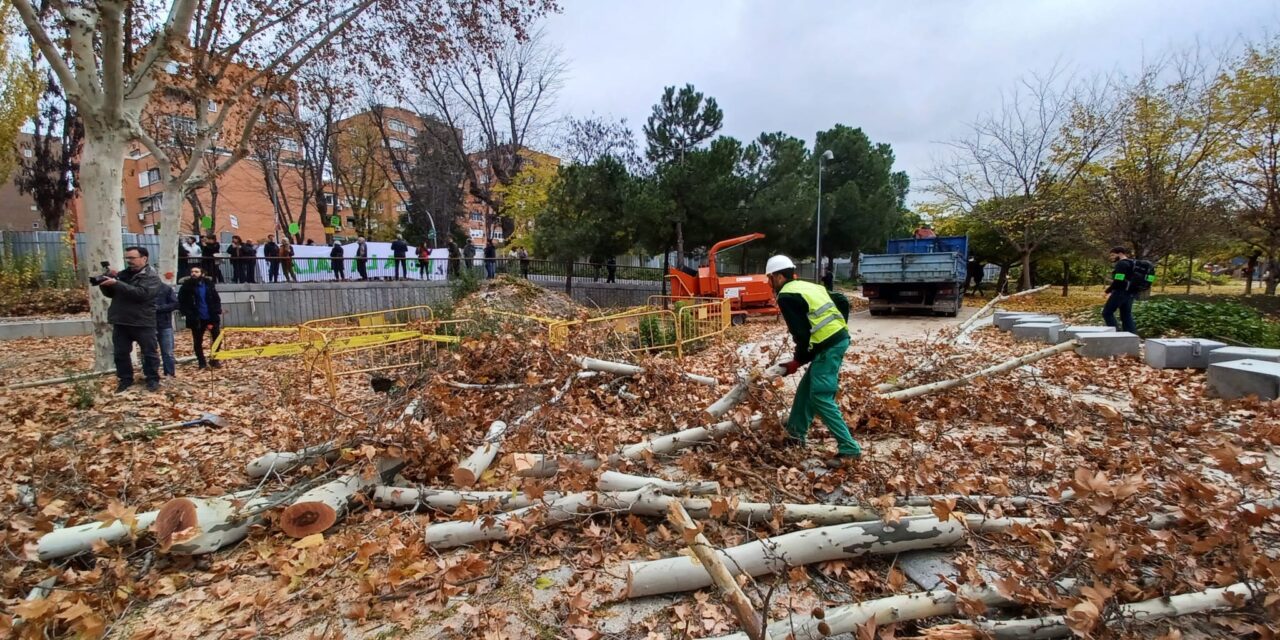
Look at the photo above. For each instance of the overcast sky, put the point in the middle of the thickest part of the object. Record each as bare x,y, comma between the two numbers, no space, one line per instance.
909,72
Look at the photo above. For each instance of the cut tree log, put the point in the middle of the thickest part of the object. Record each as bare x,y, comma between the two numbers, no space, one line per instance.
731,399
497,387
624,369
709,557
838,542
651,504
967,326
541,465
69,541
78,376
449,500
282,461
196,526
1022,361
616,481
469,470
538,465
575,505
320,508
849,618
1231,597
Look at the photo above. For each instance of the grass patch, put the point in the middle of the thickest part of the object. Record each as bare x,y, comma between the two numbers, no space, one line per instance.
1220,319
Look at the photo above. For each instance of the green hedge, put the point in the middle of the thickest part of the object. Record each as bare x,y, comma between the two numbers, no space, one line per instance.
1163,316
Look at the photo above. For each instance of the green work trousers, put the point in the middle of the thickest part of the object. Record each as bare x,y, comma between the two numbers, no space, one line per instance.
816,394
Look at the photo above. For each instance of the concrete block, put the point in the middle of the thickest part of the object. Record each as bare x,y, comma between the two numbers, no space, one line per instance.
1109,345
1006,323
1038,331
1005,314
46,328
1227,354
1074,331
1180,353
1240,378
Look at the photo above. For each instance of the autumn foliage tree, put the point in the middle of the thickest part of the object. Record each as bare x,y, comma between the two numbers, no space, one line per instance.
110,57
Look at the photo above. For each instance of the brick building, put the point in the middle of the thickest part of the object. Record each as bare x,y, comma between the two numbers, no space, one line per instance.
477,212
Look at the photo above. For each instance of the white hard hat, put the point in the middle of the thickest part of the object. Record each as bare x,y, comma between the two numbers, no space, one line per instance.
778,263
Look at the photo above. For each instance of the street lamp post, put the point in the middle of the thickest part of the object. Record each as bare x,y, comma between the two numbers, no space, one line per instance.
817,248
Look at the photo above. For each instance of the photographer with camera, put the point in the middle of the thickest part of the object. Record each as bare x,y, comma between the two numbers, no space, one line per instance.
132,316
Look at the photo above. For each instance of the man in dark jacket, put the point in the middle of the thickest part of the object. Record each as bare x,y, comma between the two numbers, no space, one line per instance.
249,257
817,324
200,305
1120,292
490,259
611,269
336,262
132,315
166,304
271,251
399,251
455,259
209,259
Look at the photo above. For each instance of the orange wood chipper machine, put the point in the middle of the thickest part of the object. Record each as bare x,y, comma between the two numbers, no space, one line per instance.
750,294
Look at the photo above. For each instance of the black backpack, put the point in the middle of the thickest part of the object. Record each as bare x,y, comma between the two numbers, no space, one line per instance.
1144,273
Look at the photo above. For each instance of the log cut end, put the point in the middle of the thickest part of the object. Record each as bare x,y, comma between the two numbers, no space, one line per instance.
305,518
463,477
178,514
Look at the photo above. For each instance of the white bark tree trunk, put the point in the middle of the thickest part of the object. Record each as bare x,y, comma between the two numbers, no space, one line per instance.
282,461
731,399
452,534
320,508
615,481
1146,611
170,229
624,369
772,555
101,175
469,470
211,523
1003,367
710,560
69,541
449,500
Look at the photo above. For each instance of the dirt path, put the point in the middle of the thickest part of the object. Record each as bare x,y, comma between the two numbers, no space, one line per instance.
867,332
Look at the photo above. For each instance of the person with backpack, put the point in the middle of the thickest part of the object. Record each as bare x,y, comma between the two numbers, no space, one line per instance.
1129,278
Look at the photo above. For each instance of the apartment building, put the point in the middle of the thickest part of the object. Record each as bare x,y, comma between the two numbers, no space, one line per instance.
17,210
476,211
372,164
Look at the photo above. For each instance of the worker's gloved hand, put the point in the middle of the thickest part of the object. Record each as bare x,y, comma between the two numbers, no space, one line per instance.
791,366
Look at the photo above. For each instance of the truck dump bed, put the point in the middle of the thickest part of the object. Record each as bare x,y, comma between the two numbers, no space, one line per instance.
893,268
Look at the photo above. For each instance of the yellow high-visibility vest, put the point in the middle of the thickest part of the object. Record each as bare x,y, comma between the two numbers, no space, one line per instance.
824,318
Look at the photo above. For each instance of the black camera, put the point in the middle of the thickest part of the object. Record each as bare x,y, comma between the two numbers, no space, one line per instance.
106,273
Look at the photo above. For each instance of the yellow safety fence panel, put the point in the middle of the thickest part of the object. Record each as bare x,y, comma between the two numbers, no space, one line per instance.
683,324
399,317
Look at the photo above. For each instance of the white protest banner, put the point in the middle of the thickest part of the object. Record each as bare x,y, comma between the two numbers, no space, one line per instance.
313,263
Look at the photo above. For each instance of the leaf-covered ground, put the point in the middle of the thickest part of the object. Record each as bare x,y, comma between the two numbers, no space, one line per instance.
1130,442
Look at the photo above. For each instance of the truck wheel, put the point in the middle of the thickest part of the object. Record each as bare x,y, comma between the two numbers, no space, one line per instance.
952,314
878,312
739,319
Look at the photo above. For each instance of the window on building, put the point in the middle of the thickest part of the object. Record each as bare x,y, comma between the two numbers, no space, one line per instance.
412,133
483,163
152,204
149,177
288,144
399,186
477,233
477,216
402,207
27,152
182,125
397,144
213,107
330,199
497,234
396,125
351,221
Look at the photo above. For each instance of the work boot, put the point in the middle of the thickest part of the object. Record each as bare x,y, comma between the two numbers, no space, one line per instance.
792,442
842,459
153,385
123,386
215,364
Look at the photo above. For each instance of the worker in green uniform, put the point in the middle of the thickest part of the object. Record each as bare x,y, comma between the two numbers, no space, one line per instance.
817,322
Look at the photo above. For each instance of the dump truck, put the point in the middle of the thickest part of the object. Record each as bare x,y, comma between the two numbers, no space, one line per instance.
916,274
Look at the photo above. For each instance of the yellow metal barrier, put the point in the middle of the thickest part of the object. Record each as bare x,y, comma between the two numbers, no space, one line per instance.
685,324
